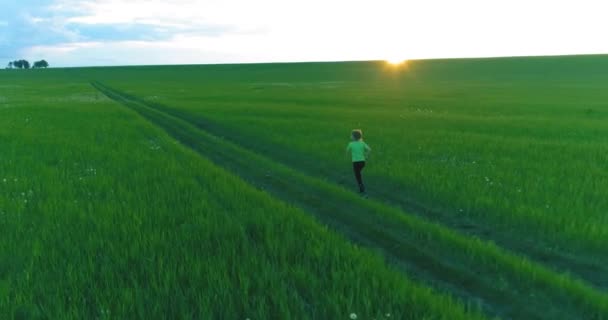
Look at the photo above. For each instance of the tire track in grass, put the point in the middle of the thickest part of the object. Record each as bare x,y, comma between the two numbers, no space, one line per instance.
589,266
482,274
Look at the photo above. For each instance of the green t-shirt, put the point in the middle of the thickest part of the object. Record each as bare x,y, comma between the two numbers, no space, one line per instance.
358,149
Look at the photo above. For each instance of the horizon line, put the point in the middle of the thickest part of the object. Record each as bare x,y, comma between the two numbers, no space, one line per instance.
319,61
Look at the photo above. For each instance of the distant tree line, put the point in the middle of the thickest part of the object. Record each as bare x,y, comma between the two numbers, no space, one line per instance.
24,64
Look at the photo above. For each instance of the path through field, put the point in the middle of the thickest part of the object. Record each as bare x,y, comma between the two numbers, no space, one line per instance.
448,255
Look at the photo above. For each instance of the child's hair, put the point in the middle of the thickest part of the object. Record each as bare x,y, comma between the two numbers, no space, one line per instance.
357,134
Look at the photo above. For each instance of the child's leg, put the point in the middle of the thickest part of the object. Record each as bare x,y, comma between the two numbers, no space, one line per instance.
357,167
361,185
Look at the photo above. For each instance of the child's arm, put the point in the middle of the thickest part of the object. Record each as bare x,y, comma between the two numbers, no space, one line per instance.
368,150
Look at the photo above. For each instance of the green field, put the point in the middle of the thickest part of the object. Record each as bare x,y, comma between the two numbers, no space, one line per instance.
223,191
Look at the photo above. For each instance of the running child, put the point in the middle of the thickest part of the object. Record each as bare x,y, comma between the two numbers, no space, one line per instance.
359,152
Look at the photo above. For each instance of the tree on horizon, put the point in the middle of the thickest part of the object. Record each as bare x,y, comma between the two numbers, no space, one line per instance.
41,64
21,64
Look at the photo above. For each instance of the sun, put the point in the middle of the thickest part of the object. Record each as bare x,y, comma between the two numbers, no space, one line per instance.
396,61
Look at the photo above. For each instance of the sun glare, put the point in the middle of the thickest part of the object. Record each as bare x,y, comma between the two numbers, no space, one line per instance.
396,61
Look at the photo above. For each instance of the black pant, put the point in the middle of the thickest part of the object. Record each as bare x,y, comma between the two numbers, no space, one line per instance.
357,167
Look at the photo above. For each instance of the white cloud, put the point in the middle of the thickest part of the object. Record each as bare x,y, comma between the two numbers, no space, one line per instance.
184,14
129,53
279,30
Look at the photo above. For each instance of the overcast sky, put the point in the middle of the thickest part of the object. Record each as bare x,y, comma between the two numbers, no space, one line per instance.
120,32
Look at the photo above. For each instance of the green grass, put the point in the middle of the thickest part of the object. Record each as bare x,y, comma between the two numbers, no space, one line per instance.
506,147
486,184
104,216
473,270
